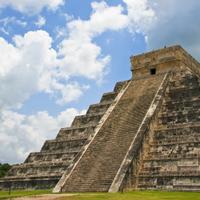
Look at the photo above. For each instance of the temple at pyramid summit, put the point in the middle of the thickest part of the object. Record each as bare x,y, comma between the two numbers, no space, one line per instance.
145,134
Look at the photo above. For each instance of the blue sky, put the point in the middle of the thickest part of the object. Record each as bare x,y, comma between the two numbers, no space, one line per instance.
60,56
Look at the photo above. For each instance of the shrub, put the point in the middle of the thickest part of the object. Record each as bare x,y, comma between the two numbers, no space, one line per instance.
4,169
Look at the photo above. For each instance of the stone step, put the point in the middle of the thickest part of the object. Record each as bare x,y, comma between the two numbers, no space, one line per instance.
58,145
76,132
174,150
184,81
195,137
179,113
150,174
107,97
51,157
170,183
179,117
180,94
98,108
43,168
187,187
52,176
120,85
176,85
41,164
168,158
181,165
29,182
186,78
184,106
105,103
170,155
190,142
177,131
87,119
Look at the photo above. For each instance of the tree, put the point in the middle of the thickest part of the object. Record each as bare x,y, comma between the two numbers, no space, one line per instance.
4,169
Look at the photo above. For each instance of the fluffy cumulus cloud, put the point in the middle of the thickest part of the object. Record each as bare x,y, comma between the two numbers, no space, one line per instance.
141,15
21,134
177,23
31,58
29,66
31,6
79,54
22,65
71,92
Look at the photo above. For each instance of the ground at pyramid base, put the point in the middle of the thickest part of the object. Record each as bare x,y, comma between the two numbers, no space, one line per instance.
145,134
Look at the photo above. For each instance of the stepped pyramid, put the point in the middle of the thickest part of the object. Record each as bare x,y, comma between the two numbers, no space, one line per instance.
143,135
42,170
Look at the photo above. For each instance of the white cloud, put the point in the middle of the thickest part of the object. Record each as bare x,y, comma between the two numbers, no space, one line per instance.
104,18
70,92
22,66
83,59
40,22
141,16
31,6
30,66
21,134
79,55
31,59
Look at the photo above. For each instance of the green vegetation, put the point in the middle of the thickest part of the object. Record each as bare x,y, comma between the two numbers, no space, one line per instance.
137,195
4,169
21,193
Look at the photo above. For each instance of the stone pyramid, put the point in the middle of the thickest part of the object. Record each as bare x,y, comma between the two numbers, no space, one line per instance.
143,135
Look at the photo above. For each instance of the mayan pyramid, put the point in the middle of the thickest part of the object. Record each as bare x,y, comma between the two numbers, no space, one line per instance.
145,134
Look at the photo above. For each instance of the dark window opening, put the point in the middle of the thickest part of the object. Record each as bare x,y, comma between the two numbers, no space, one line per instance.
153,71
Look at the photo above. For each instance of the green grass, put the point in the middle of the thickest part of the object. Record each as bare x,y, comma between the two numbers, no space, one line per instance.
20,193
137,195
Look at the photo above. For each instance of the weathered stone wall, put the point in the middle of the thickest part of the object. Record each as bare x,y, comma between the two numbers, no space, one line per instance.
163,60
172,162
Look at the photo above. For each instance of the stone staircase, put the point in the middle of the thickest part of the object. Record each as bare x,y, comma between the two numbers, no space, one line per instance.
172,161
98,165
44,169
